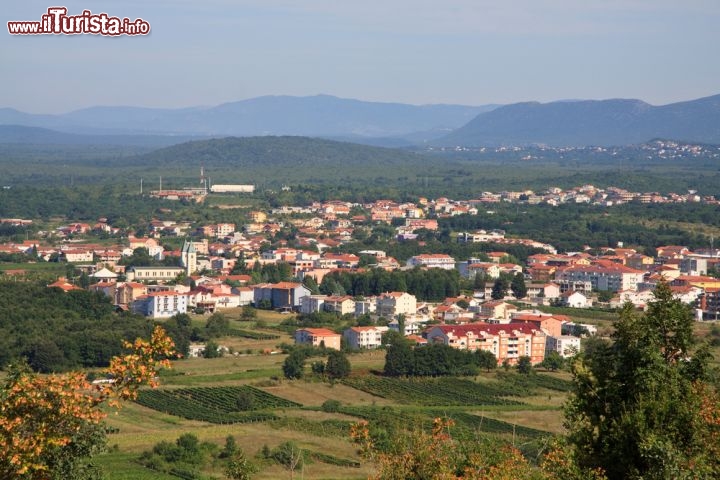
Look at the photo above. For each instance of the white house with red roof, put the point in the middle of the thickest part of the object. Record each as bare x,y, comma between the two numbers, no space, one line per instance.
574,299
432,260
163,304
602,276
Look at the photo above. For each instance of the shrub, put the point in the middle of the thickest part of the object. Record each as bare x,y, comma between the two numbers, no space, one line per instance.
331,406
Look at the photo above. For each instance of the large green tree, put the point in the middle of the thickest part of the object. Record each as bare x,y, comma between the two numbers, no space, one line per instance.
518,286
294,365
338,365
499,290
639,408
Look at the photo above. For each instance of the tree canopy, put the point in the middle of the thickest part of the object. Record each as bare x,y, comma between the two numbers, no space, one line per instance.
51,425
639,408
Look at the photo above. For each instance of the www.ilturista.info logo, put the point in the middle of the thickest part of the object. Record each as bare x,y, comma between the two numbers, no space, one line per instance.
58,22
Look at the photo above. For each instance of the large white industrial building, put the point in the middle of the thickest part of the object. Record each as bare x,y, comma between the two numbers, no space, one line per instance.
232,188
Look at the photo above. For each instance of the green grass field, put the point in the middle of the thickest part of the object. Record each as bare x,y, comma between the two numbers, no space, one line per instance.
492,403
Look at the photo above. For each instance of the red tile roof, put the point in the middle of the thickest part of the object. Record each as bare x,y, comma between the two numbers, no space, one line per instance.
489,328
320,332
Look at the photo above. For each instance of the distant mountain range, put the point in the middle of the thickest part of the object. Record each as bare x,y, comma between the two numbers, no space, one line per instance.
563,123
19,134
317,116
590,123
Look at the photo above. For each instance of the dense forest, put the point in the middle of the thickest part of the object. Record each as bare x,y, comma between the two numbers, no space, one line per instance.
57,331
432,285
352,171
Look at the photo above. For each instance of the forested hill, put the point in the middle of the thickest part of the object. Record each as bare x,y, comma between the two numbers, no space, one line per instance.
287,153
56,330
21,135
589,122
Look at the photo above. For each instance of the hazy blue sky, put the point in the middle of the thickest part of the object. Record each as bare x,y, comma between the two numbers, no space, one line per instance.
206,52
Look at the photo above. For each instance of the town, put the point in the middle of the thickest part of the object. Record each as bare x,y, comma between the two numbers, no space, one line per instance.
490,301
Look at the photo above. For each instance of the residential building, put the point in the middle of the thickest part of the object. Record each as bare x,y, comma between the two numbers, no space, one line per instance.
104,275
163,304
474,267
390,304
342,305
153,273
127,292
451,314
75,256
364,337
566,345
246,294
548,290
312,303
506,342
605,276
437,260
542,273
318,337
368,306
64,285
550,324
224,229
283,295
412,325
497,309
574,299
709,304
481,236
699,281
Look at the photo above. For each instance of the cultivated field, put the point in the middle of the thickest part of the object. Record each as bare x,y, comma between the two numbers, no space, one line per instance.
496,403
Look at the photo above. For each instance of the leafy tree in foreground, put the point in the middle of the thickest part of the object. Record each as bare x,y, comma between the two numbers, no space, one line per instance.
437,455
640,406
51,425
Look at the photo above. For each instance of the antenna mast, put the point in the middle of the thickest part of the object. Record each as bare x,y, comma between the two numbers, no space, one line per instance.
203,180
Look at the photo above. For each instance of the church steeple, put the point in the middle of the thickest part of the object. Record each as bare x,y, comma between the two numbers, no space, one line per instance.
188,257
